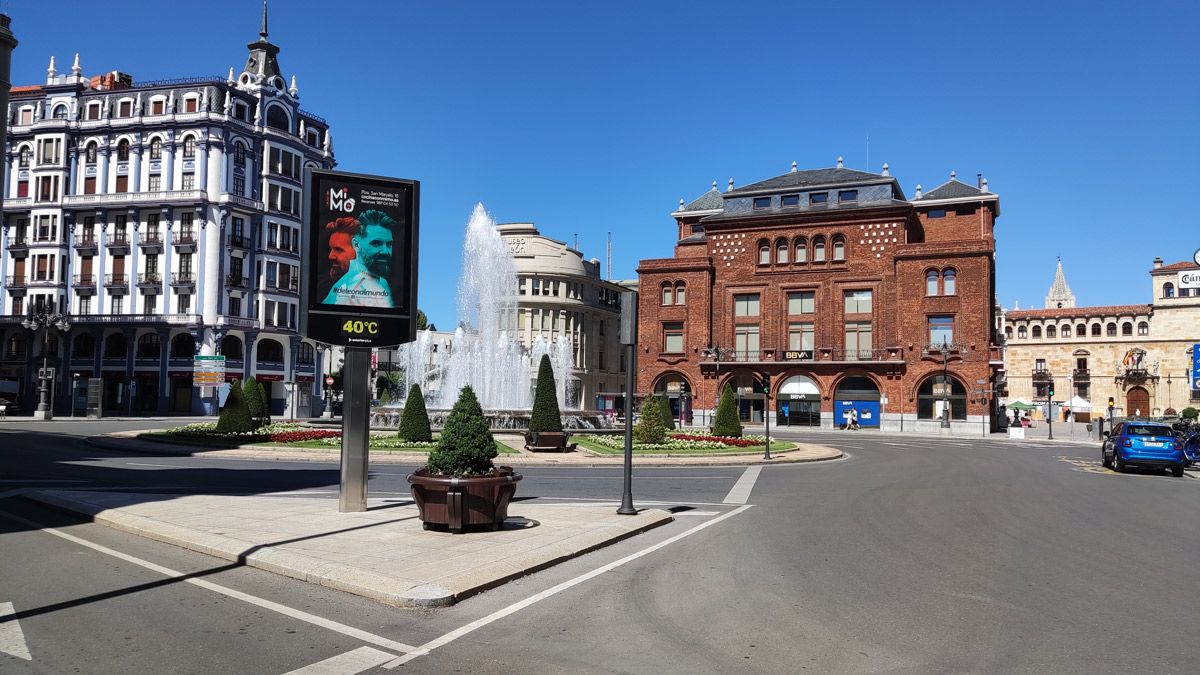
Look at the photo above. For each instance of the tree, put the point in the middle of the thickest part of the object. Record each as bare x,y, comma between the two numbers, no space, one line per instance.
664,406
1189,413
650,429
254,403
726,422
414,421
235,416
466,447
422,320
545,415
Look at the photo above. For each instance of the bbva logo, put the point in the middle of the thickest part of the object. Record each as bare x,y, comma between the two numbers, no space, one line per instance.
339,200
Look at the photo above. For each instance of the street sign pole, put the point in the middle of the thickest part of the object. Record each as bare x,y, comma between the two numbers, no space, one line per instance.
356,429
629,317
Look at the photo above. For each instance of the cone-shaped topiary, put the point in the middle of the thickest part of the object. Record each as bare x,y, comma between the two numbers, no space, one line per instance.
266,402
414,422
466,447
727,422
235,416
664,406
250,393
650,429
545,416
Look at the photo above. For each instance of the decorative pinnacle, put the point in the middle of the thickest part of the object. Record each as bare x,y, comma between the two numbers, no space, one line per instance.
918,195
230,78
681,203
714,185
953,175
263,33
292,89
886,171
839,164
75,69
793,166
51,71
730,183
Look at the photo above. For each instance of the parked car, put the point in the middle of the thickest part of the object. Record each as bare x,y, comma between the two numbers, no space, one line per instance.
1143,444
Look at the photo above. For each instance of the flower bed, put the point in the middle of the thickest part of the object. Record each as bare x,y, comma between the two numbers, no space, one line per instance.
308,435
382,441
745,442
680,442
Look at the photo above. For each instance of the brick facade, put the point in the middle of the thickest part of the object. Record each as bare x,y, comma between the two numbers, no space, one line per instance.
890,243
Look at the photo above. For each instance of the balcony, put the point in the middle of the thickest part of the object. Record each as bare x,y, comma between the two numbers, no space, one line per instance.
85,284
183,279
150,281
118,243
284,287
239,241
826,355
86,244
184,240
1081,375
274,249
18,246
151,241
135,198
43,280
1042,375
237,281
117,284
16,283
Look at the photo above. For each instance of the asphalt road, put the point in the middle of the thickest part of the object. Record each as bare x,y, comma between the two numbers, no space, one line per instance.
911,555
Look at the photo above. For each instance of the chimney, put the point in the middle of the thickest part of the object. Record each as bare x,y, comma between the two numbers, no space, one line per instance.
886,171
979,181
730,184
918,194
839,164
983,186
1157,263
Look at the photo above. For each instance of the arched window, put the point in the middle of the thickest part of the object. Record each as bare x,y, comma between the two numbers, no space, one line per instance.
931,282
667,295
60,112
764,253
277,118
680,293
1143,328
1081,330
781,252
25,156
148,346
84,346
949,282
930,405
231,348
801,250
1111,330
156,148
307,355
1037,332
1051,332
16,346
115,346
1021,332
123,150
1168,290
270,351
189,146
1065,330
1095,330
819,249
183,346
839,247
89,153
1127,328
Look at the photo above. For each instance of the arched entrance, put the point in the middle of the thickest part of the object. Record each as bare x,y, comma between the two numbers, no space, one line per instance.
748,389
1137,402
936,392
861,394
798,402
678,392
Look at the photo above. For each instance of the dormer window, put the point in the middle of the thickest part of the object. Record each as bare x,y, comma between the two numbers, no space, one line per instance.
762,203
818,198
191,104
158,107
790,200
125,109
93,111
847,195
240,111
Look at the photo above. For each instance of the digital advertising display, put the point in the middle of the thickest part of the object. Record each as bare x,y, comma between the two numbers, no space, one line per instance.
360,239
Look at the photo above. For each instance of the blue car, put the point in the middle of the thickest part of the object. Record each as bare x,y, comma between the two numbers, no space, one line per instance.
1143,444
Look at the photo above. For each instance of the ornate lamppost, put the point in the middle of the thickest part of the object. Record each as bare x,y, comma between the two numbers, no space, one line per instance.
945,384
718,354
45,320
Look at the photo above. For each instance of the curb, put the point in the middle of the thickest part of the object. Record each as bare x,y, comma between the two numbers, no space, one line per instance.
364,583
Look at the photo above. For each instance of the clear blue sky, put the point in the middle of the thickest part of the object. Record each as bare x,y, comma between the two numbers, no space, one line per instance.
593,118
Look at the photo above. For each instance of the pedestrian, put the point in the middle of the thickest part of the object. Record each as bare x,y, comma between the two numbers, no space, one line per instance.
846,414
854,419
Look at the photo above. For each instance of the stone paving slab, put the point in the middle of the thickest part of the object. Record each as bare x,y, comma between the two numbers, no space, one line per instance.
382,554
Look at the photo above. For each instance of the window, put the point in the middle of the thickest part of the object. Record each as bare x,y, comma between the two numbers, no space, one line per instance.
118,307
241,111
941,330
123,150
1127,328
1081,330
1037,332
745,305
1039,365
235,306
1143,328
818,198
931,282
185,303
26,155
1096,330
188,181
183,346
155,183
189,146
125,109
1021,333
1185,292
790,200
1065,330
59,113
949,282
819,249
800,336
115,346
157,107
1051,332
847,195
857,302
762,203
89,156
239,186
26,116
239,153
22,188
680,297
802,302
764,253
746,342
156,149
284,163
191,104
93,111
839,247
938,392
673,338
307,354
801,250
781,252
858,340
1168,290
277,118
937,213
1008,332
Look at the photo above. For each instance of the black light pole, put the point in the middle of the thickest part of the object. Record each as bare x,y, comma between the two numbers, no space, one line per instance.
767,414
629,302
945,384
716,354
1168,390
39,320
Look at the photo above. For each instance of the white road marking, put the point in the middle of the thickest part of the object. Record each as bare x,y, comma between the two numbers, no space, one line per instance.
357,661
167,466
12,640
518,606
297,614
695,513
740,494
639,501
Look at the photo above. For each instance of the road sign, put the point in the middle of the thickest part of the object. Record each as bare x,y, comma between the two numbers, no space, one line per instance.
208,371
329,381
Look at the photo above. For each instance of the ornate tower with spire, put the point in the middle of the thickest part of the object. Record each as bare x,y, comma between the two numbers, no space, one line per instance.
1060,295
262,65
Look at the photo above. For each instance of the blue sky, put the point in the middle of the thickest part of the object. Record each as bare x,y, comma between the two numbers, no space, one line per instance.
599,117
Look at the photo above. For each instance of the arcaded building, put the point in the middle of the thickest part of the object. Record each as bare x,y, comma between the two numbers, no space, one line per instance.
838,290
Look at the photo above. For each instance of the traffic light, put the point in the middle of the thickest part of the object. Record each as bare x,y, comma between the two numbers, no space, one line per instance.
1050,391
1111,402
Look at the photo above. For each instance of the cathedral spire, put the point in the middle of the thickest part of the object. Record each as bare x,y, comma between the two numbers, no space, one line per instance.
1060,295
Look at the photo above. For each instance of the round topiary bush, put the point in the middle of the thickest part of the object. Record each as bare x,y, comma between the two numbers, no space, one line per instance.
414,421
545,415
726,422
235,415
466,447
1189,413
650,429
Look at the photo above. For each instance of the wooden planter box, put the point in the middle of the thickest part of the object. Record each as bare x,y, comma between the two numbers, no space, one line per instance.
458,503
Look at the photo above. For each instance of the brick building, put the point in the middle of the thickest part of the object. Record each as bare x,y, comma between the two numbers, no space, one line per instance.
842,290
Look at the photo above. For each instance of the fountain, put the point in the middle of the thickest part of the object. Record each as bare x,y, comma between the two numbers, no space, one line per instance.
487,353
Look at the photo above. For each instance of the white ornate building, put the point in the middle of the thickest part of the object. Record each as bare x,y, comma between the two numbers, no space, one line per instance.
164,217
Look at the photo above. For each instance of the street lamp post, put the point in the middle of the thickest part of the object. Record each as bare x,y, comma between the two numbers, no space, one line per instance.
46,320
717,354
1168,390
945,384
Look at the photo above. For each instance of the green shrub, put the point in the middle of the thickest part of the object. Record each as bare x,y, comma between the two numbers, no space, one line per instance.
664,406
1189,413
650,429
252,394
414,421
263,397
235,415
466,446
545,416
726,422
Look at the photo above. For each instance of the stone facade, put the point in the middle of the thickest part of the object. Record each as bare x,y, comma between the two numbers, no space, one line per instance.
839,288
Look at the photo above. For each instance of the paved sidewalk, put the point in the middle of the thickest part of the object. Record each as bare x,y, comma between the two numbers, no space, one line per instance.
382,554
